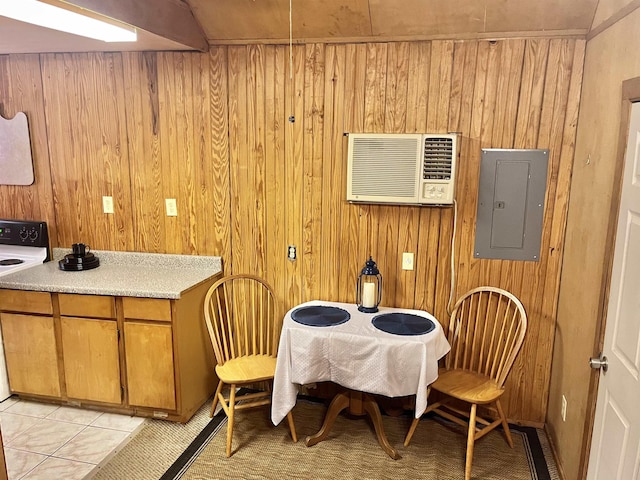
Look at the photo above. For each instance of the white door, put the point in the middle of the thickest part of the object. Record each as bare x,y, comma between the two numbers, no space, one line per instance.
615,448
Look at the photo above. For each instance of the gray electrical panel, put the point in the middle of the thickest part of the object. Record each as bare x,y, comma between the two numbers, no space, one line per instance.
511,204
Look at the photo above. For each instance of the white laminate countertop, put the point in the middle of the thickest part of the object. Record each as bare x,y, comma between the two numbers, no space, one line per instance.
123,274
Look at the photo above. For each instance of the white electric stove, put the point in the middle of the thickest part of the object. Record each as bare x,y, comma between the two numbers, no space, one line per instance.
23,244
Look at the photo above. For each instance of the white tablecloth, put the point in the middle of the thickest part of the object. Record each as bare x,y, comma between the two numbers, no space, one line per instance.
357,356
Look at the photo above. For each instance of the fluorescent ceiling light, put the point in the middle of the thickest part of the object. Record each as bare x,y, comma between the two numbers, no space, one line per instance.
49,16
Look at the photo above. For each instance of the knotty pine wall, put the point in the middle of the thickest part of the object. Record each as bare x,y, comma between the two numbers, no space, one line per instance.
212,131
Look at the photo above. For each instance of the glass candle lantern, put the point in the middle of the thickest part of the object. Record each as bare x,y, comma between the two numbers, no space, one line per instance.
369,288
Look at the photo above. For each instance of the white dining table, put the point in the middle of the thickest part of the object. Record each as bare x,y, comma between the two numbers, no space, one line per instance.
359,357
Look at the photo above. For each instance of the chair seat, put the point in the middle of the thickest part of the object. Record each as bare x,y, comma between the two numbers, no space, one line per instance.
252,368
468,386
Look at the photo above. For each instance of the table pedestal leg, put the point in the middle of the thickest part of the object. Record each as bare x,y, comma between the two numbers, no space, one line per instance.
344,400
339,403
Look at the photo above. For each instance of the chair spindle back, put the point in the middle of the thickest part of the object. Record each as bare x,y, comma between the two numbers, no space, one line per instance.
486,331
240,312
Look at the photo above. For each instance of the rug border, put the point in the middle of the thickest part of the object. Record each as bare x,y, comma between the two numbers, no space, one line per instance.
536,457
188,456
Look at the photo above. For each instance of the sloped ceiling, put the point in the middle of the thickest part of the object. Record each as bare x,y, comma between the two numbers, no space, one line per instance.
195,24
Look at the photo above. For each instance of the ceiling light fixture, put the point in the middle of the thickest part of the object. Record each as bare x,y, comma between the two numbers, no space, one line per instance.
59,18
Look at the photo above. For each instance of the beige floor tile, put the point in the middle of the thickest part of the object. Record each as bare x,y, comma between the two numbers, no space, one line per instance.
91,445
14,425
32,409
114,421
59,468
46,436
74,415
7,403
20,462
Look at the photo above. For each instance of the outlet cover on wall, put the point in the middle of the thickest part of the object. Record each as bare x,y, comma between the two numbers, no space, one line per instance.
107,204
407,261
172,208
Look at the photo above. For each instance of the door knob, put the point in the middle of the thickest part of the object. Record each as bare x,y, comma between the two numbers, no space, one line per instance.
599,363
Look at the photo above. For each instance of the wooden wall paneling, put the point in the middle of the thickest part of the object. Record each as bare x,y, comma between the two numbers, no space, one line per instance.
175,127
353,118
189,106
418,55
169,168
346,273
550,136
429,229
241,211
256,131
508,92
460,116
443,277
203,202
220,229
423,260
504,130
294,110
145,153
390,253
505,273
328,235
334,205
531,93
275,205
183,165
312,170
418,101
214,135
470,275
437,220
21,91
86,128
525,274
548,304
374,105
486,267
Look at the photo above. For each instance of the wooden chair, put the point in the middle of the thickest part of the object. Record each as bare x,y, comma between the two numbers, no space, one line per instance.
486,330
244,326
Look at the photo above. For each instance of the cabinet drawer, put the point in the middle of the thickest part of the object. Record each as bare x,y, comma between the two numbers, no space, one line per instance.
147,308
95,306
25,301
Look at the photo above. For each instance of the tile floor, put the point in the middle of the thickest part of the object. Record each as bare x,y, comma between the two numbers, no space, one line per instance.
45,442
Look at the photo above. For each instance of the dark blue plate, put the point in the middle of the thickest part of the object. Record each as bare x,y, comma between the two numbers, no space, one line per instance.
320,316
403,324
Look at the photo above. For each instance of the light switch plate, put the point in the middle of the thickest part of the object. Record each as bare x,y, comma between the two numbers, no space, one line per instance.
407,261
172,208
107,204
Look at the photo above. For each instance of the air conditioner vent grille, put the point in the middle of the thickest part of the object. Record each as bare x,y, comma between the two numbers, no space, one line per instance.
385,165
438,158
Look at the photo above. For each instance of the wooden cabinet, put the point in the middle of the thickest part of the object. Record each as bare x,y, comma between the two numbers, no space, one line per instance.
148,345
90,354
145,356
149,358
30,345
31,354
91,359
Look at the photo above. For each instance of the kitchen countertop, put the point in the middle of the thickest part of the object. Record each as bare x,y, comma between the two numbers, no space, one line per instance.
123,274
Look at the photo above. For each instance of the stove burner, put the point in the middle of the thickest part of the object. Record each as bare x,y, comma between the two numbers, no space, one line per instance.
11,261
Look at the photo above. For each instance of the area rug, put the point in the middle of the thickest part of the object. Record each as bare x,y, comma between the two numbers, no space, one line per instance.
262,451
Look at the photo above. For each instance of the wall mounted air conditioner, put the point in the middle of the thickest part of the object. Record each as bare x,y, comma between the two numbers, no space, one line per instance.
398,168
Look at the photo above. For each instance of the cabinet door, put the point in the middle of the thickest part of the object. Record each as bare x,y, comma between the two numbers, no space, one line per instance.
149,357
30,352
91,362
